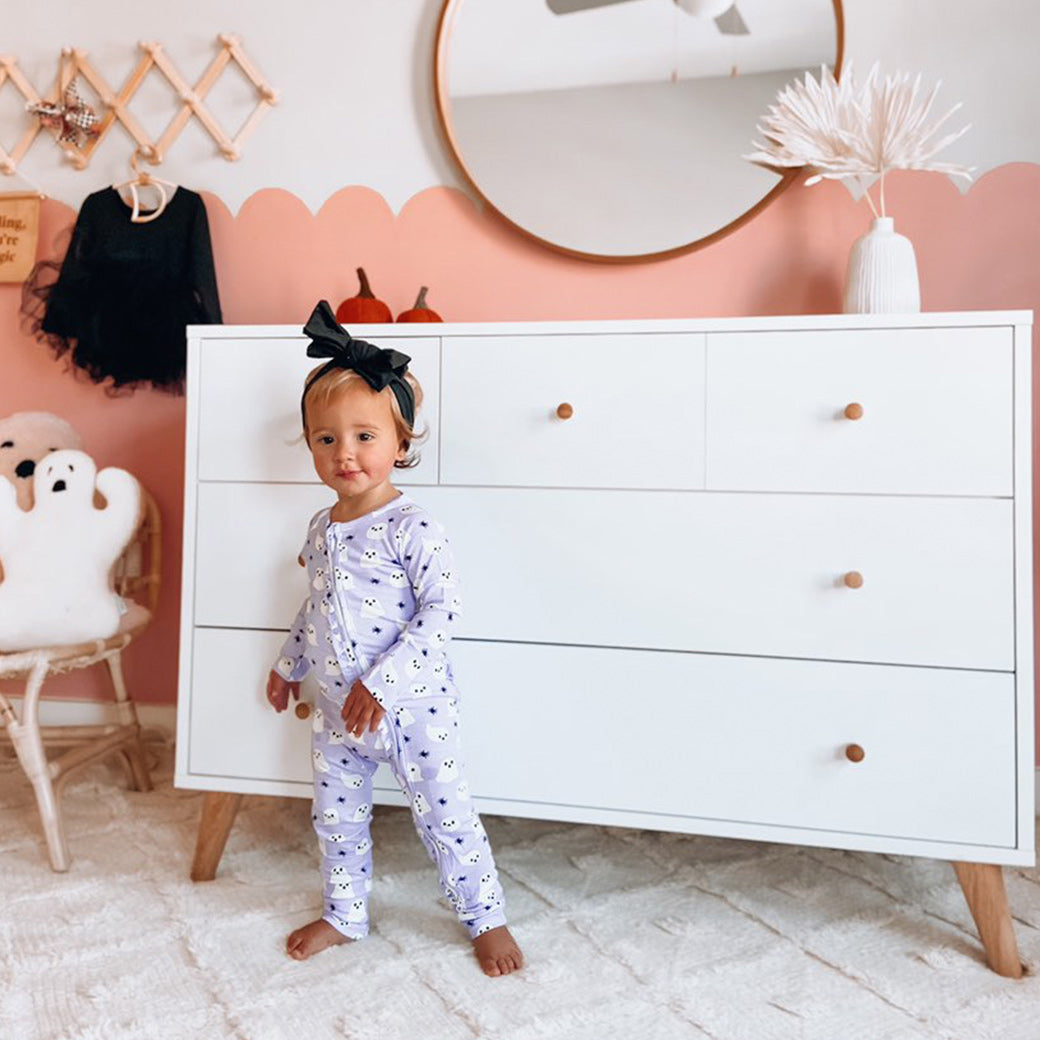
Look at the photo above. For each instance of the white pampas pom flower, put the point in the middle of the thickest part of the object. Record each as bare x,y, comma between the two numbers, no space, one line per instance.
839,130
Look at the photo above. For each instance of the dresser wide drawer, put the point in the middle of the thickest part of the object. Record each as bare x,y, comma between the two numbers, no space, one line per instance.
682,735
249,408
936,411
745,740
722,573
636,415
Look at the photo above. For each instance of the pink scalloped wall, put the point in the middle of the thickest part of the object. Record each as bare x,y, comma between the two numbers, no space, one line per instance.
275,259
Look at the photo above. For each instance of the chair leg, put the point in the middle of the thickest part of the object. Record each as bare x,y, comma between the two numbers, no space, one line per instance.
127,765
28,746
142,780
53,830
138,766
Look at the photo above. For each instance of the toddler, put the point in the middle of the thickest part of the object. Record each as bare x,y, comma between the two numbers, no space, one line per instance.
374,629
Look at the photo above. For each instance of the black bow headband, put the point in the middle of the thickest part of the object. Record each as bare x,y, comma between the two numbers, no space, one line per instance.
379,367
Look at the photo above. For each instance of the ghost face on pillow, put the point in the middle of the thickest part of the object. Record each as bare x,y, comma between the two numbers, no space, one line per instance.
58,556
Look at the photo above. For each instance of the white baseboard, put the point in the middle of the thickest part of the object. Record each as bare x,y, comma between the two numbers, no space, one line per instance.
58,712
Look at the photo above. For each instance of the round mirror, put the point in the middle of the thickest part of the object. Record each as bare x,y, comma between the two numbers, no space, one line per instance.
614,129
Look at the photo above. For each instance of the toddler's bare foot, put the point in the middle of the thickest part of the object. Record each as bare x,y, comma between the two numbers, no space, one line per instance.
311,939
497,952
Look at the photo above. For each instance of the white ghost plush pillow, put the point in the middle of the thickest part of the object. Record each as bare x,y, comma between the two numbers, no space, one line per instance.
57,557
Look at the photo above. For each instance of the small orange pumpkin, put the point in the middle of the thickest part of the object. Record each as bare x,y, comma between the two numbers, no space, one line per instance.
364,307
420,312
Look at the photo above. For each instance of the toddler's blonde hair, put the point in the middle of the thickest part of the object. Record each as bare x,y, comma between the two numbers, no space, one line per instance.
339,380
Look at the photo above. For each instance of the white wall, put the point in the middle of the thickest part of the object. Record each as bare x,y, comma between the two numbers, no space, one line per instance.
355,78
985,55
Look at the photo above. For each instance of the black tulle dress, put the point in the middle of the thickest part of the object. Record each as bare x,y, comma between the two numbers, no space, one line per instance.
125,291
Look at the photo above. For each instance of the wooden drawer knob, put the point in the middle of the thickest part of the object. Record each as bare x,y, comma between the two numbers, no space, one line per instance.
854,410
854,753
854,579
303,710
564,411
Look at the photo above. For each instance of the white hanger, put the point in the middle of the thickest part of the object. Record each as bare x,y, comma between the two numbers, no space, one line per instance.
142,178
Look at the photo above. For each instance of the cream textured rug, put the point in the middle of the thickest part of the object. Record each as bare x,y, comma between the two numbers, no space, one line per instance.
629,934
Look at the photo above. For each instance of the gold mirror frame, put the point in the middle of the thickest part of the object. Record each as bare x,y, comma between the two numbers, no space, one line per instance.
440,93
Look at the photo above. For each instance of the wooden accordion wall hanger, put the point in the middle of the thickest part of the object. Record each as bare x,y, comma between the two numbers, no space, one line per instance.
74,62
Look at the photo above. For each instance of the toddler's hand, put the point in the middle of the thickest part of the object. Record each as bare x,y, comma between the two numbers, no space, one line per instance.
361,710
278,690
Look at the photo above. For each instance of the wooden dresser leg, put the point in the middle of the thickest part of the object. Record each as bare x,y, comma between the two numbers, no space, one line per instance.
983,886
218,814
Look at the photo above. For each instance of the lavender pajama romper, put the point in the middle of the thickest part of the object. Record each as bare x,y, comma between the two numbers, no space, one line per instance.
383,597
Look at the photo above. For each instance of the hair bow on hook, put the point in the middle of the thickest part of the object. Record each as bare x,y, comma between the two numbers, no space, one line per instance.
72,117
380,367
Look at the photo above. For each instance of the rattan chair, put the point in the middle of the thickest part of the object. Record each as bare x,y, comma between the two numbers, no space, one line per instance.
135,576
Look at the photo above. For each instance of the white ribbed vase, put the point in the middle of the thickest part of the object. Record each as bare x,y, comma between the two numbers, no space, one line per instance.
882,273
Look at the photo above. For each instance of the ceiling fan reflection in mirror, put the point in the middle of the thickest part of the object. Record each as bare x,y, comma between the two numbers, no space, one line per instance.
723,12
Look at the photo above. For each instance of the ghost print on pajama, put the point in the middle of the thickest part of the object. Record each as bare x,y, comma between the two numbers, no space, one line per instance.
382,600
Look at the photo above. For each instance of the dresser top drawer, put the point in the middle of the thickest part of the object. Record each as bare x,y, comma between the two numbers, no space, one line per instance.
248,402
909,411
573,411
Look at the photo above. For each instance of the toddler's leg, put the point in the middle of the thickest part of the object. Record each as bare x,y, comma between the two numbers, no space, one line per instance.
425,760
341,814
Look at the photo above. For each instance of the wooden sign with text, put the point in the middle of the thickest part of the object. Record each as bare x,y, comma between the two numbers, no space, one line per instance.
19,230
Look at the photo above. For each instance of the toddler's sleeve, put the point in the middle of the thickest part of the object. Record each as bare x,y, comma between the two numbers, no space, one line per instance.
426,558
293,663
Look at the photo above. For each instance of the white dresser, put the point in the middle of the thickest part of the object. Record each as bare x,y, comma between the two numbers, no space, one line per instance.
768,578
